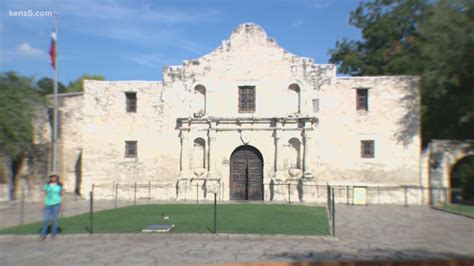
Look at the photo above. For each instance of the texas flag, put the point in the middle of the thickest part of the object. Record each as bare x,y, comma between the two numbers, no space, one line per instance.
52,49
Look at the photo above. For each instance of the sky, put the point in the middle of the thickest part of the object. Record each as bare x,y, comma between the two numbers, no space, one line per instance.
134,40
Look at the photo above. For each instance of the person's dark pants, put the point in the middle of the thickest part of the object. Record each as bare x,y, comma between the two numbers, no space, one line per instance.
50,211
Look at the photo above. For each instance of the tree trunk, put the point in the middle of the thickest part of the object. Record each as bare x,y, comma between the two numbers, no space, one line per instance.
17,172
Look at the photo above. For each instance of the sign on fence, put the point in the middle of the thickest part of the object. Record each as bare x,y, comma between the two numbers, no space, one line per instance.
360,195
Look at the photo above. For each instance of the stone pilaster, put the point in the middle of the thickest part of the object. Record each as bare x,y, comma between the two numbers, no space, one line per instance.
211,171
307,153
278,160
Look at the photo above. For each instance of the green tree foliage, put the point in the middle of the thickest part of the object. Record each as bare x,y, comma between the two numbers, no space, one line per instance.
18,98
447,39
432,39
77,85
46,86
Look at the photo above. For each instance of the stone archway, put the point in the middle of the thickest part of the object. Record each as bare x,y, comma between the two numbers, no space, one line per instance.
246,174
461,181
443,155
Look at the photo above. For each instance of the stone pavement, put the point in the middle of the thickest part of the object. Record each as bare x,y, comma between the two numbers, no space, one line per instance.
376,232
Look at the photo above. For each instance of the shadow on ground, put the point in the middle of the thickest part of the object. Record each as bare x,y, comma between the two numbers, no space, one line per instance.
374,257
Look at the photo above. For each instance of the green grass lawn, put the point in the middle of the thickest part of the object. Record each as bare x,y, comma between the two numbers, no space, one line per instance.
231,218
463,209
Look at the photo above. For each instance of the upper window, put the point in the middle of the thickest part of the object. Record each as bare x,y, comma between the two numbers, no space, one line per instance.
315,105
131,149
246,99
367,149
294,98
362,102
131,102
199,100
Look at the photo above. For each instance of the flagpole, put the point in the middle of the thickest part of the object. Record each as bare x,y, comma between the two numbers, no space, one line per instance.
55,112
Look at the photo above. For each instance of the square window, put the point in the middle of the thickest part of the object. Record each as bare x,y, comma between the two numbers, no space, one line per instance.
246,99
131,149
367,149
131,102
315,105
362,99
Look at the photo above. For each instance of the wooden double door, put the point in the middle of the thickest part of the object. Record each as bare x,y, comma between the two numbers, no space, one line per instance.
246,174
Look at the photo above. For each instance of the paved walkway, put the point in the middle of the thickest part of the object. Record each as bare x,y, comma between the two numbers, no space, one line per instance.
376,232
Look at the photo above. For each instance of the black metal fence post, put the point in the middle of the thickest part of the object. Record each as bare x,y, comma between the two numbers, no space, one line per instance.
22,205
215,213
135,195
406,196
378,194
445,190
289,193
91,211
347,195
333,211
197,193
116,195
149,190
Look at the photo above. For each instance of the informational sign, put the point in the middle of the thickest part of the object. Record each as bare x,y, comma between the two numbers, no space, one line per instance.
360,195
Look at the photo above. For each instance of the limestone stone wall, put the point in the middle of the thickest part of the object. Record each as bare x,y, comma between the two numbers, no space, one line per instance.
107,125
392,121
70,139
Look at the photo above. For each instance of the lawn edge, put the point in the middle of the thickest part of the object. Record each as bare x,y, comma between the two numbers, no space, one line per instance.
181,235
452,212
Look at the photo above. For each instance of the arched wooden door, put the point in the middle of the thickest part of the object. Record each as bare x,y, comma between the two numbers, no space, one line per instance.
246,174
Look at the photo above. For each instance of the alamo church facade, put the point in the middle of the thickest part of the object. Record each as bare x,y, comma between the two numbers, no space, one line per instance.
248,121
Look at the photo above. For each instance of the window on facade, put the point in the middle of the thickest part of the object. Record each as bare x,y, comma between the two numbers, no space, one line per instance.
246,99
295,98
367,149
131,102
130,149
199,100
315,105
362,100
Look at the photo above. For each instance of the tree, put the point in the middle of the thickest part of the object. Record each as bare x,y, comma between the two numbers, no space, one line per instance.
46,86
390,35
77,85
432,39
447,38
18,99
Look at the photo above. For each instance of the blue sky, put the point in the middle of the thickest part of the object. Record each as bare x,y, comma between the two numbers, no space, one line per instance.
133,40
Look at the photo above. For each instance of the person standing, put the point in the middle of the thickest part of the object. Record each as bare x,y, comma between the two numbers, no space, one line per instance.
53,193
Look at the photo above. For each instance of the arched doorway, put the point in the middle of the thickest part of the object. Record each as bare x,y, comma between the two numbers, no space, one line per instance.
462,181
246,174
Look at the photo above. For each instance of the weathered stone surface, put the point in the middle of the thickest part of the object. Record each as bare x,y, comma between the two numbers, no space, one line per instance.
188,125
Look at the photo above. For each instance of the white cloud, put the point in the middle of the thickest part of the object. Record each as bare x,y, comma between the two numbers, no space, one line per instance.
321,4
25,49
297,23
152,60
142,22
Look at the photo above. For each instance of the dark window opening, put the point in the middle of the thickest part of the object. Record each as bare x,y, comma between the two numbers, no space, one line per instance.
131,102
131,149
363,99
367,149
246,99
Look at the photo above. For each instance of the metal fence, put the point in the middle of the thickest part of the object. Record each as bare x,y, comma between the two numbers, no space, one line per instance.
107,196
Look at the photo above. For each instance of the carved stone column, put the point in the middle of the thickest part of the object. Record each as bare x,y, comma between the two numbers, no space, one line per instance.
185,172
307,153
278,160
211,171
184,162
